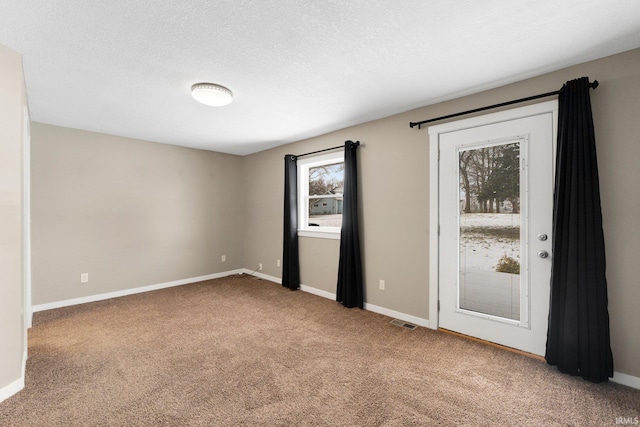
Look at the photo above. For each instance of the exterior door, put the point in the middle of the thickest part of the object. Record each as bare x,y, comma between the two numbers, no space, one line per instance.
495,201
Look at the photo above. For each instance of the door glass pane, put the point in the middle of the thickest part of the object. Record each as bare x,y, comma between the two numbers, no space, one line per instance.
489,226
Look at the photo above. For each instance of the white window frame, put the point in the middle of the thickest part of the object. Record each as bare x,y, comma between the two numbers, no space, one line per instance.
304,230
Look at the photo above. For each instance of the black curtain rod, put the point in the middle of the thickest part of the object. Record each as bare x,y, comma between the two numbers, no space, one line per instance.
515,101
326,149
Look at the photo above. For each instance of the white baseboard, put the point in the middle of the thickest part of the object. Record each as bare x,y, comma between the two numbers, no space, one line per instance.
304,288
17,385
332,296
261,276
397,315
116,294
628,380
318,292
11,389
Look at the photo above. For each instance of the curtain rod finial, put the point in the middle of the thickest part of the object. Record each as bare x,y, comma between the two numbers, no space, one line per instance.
595,84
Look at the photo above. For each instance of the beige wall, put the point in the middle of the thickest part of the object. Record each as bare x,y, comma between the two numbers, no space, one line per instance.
12,319
130,213
394,165
133,213
393,172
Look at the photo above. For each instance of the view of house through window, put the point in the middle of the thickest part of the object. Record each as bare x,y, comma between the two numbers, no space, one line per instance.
320,190
326,185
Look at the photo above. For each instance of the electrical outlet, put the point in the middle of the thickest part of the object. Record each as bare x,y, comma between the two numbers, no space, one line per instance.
260,266
277,263
382,284
223,258
84,277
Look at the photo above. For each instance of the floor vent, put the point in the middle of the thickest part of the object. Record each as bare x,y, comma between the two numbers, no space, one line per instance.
403,324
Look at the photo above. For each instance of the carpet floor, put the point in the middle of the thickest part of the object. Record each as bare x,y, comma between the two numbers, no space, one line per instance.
240,351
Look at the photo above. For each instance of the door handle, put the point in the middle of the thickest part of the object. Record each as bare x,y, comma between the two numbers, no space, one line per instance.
543,254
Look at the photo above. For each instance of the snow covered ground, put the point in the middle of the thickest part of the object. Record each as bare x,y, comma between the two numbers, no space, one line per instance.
485,238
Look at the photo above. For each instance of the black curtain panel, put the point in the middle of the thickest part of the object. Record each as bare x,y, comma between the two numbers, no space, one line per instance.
349,291
290,260
578,335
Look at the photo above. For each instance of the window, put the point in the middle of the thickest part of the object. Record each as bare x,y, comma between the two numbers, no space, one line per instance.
320,188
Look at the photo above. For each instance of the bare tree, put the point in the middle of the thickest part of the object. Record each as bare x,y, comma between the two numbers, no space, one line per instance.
491,175
505,180
324,180
463,164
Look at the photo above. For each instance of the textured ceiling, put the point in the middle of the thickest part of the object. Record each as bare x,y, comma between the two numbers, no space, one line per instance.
297,68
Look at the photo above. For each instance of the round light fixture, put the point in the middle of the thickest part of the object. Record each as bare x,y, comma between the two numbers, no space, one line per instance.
211,94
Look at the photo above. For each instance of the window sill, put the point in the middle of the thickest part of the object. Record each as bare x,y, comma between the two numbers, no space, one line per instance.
335,235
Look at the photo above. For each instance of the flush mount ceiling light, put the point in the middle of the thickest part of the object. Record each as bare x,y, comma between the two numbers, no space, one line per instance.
211,94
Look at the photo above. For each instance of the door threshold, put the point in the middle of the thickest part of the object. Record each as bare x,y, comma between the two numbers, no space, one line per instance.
492,344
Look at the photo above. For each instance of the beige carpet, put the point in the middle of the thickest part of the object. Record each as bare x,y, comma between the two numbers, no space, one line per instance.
242,351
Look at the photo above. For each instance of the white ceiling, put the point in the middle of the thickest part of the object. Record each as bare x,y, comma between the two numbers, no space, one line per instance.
297,68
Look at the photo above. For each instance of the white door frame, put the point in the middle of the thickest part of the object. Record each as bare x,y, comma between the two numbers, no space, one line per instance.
434,183
26,219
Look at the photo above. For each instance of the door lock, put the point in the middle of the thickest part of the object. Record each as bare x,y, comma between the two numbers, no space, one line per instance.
543,254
